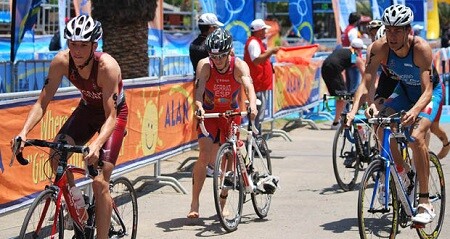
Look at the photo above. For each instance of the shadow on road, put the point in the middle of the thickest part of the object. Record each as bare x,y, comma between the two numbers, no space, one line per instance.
341,226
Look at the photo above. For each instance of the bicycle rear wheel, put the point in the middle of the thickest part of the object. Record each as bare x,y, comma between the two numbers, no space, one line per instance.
42,211
374,220
261,168
228,188
345,159
436,188
124,218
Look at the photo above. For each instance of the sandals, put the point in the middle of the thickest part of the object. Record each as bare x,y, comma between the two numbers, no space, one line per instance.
426,216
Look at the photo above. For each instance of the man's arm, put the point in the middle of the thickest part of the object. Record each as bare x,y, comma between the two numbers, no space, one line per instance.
58,67
108,79
368,78
423,58
242,75
261,57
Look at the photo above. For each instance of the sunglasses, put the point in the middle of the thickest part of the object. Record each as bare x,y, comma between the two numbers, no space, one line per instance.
218,56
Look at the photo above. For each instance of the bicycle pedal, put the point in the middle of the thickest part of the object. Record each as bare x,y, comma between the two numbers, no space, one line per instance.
417,225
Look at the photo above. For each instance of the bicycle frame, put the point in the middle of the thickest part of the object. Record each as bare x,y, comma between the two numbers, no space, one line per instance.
407,203
233,138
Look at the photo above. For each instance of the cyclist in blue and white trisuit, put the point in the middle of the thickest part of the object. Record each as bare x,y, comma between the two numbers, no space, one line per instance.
409,59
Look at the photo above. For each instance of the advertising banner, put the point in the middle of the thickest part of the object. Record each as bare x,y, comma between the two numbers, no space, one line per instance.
293,88
160,119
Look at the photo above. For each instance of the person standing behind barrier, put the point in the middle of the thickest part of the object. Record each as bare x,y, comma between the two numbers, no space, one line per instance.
333,67
257,58
219,80
419,93
207,23
351,32
102,108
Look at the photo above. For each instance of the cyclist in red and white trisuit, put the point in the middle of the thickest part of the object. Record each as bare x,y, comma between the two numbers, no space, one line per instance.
217,89
102,108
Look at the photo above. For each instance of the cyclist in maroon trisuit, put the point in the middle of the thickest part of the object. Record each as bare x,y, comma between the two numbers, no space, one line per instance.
102,108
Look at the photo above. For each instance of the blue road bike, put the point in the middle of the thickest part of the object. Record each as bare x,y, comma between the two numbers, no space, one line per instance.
382,209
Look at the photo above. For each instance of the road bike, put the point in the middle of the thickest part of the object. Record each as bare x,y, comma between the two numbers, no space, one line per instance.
353,147
53,212
385,199
237,174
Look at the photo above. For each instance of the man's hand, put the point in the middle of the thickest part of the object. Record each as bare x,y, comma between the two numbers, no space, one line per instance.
371,111
274,50
200,114
92,157
253,112
409,118
349,119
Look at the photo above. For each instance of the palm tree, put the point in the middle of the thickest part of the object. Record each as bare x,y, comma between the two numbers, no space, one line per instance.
125,32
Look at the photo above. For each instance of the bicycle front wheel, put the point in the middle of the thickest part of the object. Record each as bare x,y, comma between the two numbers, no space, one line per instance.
436,188
228,188
374,219
261,168
124,218
345,159
40,219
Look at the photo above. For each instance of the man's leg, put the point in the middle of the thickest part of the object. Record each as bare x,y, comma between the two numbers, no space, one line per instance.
103,201
262,96
208,150
437,130
421,160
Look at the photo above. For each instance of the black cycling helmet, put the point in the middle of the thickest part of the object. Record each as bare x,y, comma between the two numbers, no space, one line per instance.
219,41
83,28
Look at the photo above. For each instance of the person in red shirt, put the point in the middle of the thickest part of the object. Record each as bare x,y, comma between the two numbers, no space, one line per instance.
217,86
258,59
351,32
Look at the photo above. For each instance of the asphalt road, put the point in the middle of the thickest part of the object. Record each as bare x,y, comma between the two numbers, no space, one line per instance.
308,205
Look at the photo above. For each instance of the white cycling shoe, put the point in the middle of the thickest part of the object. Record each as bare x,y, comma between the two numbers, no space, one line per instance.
426,216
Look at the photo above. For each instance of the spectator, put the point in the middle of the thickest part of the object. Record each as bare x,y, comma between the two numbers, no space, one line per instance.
55,42
332,68
207,23
351,32
258,59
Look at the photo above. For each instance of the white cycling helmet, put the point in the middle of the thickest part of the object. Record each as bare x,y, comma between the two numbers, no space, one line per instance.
374,24
380,33
83,28
397,15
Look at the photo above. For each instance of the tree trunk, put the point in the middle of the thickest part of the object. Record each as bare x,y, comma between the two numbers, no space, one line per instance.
125,32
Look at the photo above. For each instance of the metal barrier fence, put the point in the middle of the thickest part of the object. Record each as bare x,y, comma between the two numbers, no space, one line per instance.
30,75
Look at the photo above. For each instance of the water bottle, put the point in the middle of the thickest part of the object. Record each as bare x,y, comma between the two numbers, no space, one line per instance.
362,133
79,203
243,151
